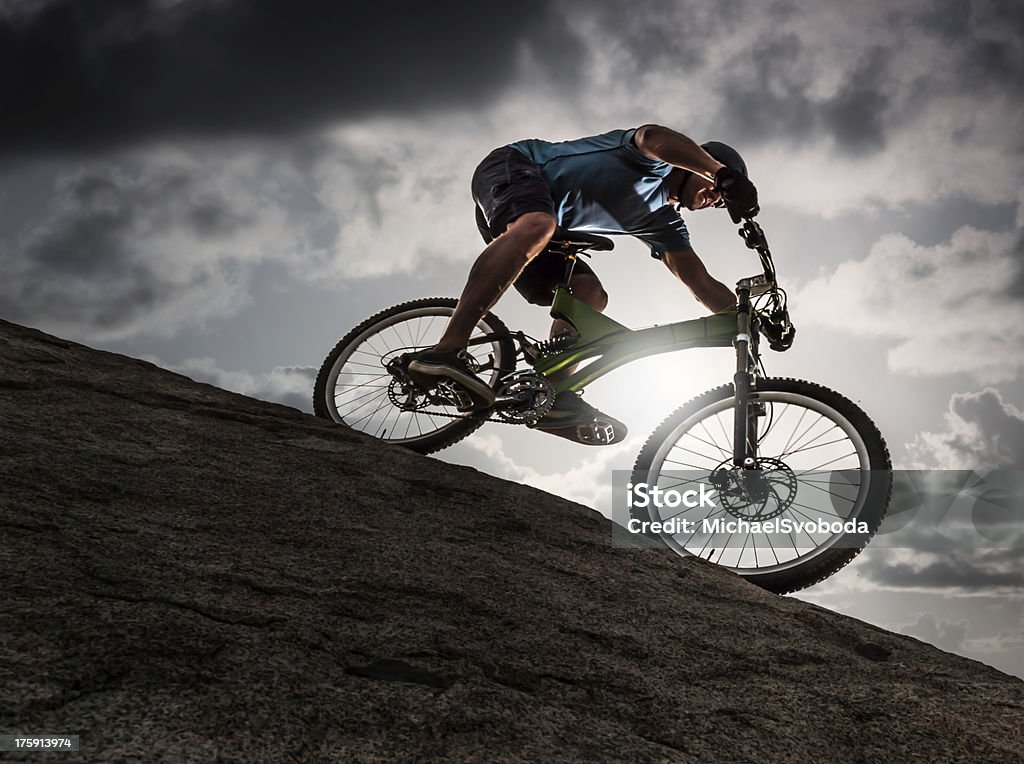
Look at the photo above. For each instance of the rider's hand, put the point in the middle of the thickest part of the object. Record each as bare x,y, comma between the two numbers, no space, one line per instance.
737,192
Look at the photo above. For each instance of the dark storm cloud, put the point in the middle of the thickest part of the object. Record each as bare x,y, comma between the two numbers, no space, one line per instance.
946,19
855,115
1015,287
969,569
995,438
86,266
769,99
88,75
984,57
770,91
653,45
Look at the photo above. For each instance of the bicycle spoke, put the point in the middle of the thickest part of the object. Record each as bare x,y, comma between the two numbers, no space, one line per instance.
712,443
353,388
679,485
807,446
714,462
831,461
802,434
728,438
802,415
799,445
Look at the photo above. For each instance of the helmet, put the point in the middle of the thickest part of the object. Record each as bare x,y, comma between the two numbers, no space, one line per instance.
725,154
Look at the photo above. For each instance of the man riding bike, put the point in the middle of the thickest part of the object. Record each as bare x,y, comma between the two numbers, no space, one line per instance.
622,182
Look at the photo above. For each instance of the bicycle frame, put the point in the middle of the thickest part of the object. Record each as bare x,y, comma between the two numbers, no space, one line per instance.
609,344
612,345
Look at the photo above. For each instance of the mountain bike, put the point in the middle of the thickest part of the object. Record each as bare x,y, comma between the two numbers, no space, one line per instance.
778,452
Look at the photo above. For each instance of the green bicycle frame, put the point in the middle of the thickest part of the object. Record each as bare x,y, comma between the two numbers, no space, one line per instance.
609,345
613,345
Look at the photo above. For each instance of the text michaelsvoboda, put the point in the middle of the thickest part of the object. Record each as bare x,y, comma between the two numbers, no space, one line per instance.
674,525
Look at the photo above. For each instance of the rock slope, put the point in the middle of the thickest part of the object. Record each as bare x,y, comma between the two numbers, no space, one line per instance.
190,574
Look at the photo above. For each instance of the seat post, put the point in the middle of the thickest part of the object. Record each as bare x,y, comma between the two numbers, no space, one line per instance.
570,265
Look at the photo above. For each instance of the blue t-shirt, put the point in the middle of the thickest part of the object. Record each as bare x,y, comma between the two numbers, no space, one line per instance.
605,184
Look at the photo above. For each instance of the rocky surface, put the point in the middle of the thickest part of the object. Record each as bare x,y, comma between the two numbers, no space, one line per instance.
190,574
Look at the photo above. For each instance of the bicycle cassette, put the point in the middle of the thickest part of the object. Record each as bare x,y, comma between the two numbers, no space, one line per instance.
524,398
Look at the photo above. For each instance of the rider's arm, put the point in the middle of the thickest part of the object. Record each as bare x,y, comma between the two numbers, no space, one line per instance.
689,269
659,142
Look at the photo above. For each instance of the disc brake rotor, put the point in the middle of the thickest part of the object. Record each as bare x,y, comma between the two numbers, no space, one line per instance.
756,495
405,396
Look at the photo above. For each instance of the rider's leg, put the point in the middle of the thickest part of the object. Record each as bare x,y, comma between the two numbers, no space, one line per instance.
570,416
493,272
587,288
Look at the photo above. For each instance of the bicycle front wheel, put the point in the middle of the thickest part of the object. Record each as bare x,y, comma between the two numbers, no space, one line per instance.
355,389
821,492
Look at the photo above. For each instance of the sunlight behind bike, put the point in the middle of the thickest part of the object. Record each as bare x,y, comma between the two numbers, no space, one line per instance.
773,448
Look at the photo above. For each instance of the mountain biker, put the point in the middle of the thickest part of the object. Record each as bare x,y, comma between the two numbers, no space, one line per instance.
633,181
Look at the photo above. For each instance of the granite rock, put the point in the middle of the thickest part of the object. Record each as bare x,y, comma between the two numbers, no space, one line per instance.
193,575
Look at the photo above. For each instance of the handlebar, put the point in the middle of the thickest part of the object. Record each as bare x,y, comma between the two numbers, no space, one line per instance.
753,236
775,315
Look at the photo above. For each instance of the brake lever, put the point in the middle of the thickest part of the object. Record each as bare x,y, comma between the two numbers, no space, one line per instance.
753,235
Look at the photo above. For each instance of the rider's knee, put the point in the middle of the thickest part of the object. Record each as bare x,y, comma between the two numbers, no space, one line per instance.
535,229
589,289
536,294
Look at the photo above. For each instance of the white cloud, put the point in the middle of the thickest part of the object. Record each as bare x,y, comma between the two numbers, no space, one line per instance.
948,635
588,482
949,308
981,432
400,192
290,385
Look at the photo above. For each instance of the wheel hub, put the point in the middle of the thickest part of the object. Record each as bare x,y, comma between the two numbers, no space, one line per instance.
755,495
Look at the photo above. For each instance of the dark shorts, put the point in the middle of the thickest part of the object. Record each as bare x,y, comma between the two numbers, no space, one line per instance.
507,185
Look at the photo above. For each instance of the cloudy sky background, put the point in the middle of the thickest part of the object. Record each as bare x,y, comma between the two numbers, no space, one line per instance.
226,187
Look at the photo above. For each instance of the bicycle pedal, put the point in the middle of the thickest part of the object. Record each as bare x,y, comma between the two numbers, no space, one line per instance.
596,433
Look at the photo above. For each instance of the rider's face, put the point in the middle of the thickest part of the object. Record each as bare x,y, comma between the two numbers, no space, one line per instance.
698,192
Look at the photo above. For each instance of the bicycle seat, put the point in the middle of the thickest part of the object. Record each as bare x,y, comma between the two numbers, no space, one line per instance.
563,239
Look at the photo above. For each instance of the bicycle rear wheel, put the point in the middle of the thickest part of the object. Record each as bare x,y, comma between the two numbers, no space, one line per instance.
821,458
355,389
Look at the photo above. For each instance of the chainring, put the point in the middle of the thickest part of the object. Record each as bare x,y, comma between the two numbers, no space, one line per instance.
534,396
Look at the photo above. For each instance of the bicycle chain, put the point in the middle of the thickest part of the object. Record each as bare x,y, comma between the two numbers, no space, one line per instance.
492,416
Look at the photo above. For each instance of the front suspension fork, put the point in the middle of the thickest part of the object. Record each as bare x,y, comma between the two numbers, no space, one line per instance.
744,453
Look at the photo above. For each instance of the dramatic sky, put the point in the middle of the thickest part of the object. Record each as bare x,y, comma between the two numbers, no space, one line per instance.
227,186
